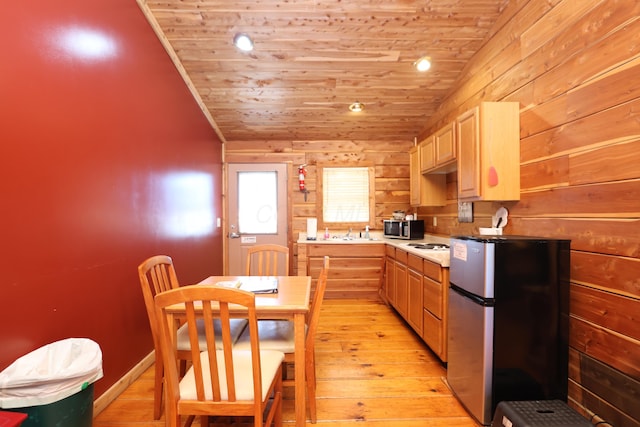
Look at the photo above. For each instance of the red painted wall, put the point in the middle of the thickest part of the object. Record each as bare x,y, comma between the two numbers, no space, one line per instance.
105,160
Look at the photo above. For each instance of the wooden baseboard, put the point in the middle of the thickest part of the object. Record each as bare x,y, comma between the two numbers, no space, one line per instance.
115,390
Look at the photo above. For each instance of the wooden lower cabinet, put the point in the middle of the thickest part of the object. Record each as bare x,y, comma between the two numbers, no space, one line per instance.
389,290
435,288
415,306
390,281
433,334
432,296
417,288
402,290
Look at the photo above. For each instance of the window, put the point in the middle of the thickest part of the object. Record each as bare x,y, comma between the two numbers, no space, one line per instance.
257,202
347,196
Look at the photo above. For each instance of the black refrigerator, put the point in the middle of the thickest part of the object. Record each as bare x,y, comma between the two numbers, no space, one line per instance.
508,320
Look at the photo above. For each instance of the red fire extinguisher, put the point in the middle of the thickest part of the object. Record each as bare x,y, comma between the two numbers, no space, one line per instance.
301,174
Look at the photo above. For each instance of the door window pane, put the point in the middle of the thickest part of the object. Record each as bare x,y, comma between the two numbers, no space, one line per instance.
258,202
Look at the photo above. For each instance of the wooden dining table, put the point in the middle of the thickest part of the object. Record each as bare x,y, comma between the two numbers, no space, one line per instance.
291,302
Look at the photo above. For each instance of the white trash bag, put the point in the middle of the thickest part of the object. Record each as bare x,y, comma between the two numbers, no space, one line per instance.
51,373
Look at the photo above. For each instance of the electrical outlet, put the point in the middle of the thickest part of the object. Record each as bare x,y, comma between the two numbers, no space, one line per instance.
435,221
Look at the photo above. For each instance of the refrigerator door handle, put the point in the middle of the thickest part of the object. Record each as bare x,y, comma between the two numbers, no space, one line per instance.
485,302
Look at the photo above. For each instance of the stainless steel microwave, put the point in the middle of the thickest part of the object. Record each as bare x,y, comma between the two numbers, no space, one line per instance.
402,229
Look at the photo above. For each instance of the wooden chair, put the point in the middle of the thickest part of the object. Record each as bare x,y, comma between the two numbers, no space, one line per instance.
220,382
157,274
267,260
279,335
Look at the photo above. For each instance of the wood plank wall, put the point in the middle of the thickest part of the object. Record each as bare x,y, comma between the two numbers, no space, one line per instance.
390,158
574,66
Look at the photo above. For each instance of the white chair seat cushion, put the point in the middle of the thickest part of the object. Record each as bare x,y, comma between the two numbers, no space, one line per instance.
274,335
237,326
270,362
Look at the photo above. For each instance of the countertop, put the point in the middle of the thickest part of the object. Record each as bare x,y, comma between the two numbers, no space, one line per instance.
439,257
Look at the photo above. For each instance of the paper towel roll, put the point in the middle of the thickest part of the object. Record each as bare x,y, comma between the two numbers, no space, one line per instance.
312,228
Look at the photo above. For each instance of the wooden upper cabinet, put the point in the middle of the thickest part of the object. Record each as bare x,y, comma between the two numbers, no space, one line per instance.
414,176
439,150
427,154
425,189
469,154
445,145
488,140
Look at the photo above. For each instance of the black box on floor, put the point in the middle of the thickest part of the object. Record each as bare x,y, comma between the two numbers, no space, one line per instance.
537,413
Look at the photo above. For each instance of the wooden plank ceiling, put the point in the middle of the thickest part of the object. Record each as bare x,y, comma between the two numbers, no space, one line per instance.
312,58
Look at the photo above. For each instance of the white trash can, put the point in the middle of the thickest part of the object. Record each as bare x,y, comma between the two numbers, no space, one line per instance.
54,384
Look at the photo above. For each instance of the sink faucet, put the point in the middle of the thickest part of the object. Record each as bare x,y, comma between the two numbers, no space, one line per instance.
348,233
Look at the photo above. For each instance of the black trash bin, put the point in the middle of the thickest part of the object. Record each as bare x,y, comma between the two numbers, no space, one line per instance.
53,385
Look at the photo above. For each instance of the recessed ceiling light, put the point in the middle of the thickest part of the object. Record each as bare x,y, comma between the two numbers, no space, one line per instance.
423,64
356,107
243,42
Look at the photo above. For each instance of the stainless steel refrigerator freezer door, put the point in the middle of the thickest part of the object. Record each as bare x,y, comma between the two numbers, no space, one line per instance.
469,368
472,266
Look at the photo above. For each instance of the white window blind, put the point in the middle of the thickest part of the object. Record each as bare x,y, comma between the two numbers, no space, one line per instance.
345,195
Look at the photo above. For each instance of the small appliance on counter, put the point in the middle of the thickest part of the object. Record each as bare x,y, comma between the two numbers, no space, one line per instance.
403,229
312,228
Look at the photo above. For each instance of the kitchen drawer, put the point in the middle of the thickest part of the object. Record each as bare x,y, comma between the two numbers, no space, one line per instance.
401,256
433,270
415,262
432,296
432,333
390,251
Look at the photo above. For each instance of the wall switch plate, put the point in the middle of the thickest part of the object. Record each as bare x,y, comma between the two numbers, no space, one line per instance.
465,212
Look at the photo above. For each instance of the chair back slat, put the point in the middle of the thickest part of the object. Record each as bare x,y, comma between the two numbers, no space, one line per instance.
210,335
195,347
226,344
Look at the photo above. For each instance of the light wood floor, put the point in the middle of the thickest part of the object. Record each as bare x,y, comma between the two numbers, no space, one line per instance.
373,371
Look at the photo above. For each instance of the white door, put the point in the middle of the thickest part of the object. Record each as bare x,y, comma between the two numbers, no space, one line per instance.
257,209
